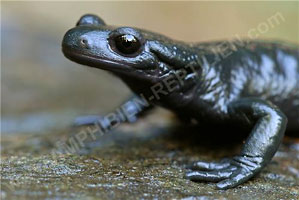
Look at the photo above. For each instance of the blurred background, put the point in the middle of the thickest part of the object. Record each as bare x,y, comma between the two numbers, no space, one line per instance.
41,90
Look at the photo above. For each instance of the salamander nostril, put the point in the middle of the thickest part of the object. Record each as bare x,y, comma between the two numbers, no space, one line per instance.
84,43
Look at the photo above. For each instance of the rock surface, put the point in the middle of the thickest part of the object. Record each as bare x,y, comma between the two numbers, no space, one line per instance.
133,162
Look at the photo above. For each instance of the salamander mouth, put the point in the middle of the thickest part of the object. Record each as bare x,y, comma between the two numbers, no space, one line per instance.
94,61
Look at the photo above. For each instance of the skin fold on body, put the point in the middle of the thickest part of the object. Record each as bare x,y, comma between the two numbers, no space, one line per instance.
252,83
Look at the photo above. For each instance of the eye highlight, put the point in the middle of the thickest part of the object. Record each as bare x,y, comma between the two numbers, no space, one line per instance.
126,44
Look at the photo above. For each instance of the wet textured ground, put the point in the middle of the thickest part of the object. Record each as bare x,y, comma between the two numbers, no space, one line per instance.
140,161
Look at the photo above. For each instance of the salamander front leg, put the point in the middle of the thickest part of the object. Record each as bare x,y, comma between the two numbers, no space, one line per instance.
129,111
258,150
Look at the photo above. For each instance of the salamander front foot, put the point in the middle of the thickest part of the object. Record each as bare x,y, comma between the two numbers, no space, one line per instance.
228,173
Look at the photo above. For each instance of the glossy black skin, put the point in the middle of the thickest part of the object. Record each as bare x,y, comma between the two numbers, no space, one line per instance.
257,86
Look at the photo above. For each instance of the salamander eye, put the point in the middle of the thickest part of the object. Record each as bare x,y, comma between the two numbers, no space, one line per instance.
127,44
